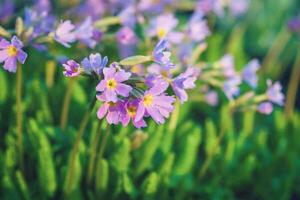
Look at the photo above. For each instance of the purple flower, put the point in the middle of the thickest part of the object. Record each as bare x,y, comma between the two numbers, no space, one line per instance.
65,34
85,33
126,36
249,73
198,29
114,112
162,25
10,52
94,63
153,7
294,25
265,108
227,65
128,17
72,69
162,56
231,87
238,7
211,97
274,93
205,6
131,111
155,103
184,81
112,85
6,10
93,8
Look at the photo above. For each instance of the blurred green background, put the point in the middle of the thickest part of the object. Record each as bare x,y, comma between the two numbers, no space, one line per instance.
200,153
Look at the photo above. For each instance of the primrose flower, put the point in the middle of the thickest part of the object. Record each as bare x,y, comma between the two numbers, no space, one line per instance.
114,112
94,63
126,36
6,10
274,93
162,56
238,7
231,87
65,34
294,25
184,81
211,98
162,25
131,111
10,52
112,85
265,108
155,103
72,68
198,29
249,73
85,33
227,65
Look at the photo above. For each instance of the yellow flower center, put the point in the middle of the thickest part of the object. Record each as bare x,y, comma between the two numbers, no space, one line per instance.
131,110
161,32
111,84
148,100
12,51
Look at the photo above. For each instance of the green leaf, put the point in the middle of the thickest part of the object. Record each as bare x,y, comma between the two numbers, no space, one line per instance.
135,60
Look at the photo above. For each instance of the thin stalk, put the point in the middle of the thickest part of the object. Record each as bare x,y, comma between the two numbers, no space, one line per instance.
19,113
83,124
66,104
174,117
276,49
293,88
103,144
93,154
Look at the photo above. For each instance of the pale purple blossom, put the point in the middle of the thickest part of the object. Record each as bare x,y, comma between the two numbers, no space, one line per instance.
6,10
113,84
249,73
265,108
162,25
274,93
65,33
10,53
114,112
198,29
126,36
155,103
85,33
231,87
162,56
227,65
71,69
131,111
184,81
94,63
211,98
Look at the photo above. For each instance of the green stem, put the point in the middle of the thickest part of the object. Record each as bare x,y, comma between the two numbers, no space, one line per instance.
83,124
103,144
293,88
93,154
174,117
19,114
66,104
276,49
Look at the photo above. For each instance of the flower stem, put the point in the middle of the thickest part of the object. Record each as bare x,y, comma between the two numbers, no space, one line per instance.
93,153
276,49
293,88
103,144
19,113
66,104
174,117
74,152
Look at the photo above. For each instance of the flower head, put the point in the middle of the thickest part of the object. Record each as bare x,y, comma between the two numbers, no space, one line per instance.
131,107
65,34
112,85
184,81
85,33
126,36
274,93
227,65
198,29
114,112
231,87
249,73
11,52
294,25
72,68
155,103
162,56
162,25
94,63
265,108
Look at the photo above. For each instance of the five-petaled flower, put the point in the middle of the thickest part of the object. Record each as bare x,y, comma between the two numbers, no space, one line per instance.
10,53
112,85
72,68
